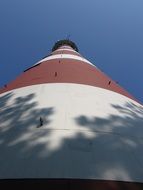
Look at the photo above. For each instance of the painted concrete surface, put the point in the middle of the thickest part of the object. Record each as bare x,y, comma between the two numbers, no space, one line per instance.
65,56
65,52
65,49
87,133
65,71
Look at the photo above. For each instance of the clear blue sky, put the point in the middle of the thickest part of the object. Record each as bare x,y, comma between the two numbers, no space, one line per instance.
107,32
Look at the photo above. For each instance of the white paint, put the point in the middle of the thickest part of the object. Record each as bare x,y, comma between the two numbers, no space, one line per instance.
66,50
68,47
65,56
92,133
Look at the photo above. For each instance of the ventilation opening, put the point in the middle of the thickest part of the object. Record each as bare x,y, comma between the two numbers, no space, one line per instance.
40,122
56,74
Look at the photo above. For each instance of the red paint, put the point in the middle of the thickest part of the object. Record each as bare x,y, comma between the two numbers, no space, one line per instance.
68,71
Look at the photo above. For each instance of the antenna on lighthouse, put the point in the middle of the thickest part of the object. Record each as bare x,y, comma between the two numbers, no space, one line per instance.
68,36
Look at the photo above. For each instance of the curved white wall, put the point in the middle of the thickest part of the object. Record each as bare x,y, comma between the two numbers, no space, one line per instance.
88,133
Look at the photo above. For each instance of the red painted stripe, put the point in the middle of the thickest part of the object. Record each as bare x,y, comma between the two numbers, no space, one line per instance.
67,71
69,184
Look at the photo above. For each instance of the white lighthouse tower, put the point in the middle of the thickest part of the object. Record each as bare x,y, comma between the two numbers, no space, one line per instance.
64,124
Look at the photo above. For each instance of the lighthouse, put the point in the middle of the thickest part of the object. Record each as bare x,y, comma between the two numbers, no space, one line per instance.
64,124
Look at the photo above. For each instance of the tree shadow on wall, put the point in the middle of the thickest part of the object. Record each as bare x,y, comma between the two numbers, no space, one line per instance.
101,148
118,143
21,112
128,122
19,119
